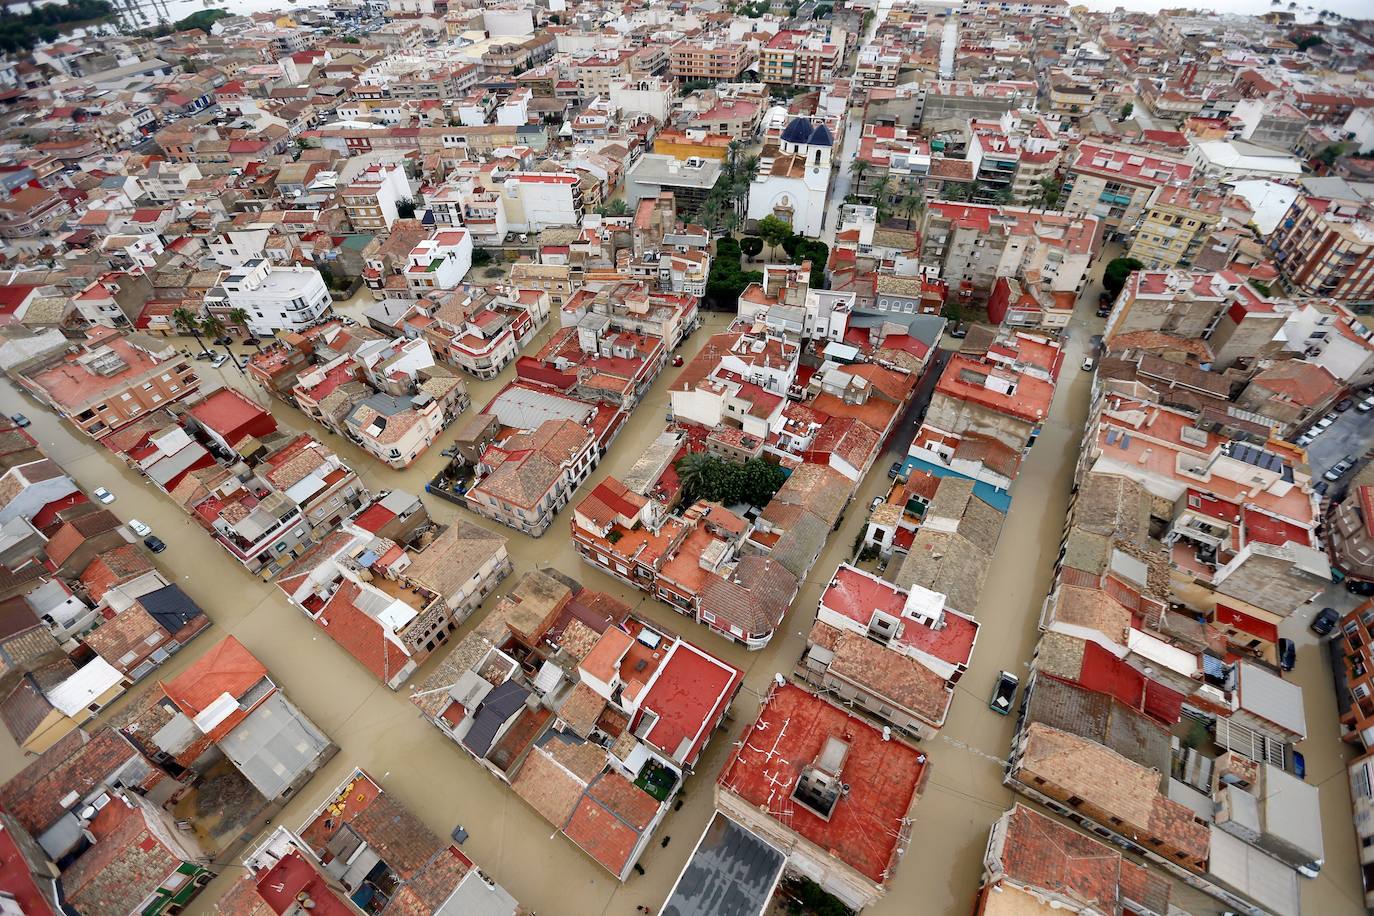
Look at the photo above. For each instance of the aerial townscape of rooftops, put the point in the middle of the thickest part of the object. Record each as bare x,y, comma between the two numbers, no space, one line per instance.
686,457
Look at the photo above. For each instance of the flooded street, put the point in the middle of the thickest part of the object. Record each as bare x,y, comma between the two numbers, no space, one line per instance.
379,730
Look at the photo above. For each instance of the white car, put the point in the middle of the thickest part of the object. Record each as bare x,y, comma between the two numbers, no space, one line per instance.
1088,364
1304,440
1325,422
104,495
139,528
1366,405
218,361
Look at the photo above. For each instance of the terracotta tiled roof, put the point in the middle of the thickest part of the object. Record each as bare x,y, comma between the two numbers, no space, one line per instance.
76,763
550,789
361,636
127,639
127,863
885,673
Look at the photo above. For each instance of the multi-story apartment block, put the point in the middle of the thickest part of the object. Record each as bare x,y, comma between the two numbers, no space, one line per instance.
1353,655
538,200
877,67
973,244
439,263
715,61
1176,224
555,442
594,73
483,333
275,298
31,211
895,653
111,380
797,58
1114,183
1325,243
371,199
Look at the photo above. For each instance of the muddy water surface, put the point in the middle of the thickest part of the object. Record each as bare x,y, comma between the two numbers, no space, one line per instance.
379,730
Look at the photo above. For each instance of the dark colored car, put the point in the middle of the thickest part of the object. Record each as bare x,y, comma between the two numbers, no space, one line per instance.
154,543
1355,587
895,471
251,341
1345,404
20,420
1288,654
224,341
1004,693
1325,621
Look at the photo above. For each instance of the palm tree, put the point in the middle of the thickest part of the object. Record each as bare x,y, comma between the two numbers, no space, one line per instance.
239,317
858,168
912,203
187,322
882,197
745,174
693,471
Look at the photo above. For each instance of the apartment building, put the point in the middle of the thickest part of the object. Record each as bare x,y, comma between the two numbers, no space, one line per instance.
1176,224
1115,183
538,200
275,298
877,67
439,263
370,199
715,61
31,211
972,245
524,478
797,58
594,73
894,653
1325,243
849,841
483,333
987,411
111,380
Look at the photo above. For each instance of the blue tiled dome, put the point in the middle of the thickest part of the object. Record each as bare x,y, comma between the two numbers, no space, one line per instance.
798,131
821,136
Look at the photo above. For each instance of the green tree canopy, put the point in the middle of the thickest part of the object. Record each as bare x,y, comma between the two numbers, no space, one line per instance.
1114,277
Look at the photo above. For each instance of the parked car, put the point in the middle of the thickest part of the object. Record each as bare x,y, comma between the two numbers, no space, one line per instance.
1339,470
1327,420
243,361
218,361
1366,405
1104,311
1325,621
1004,693
1088,363
139,528
104,495
959,333
677,360
895,471
874,503
251,341
154,543
1356,587
20,420
1321,487
1288,654
1304,440
1345,404
204,355
224,341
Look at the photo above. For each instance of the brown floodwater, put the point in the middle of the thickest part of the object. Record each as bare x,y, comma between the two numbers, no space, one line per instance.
379,730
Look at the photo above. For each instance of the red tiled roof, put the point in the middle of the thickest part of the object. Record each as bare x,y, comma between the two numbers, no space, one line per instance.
884,778
227,668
